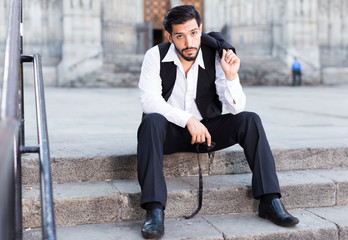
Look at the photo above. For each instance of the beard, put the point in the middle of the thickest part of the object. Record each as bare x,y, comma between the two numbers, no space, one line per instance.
181,52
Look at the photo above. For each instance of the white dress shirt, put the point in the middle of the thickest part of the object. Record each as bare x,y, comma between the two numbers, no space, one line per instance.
181,105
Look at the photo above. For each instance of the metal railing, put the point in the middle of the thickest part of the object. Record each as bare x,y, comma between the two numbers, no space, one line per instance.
12,135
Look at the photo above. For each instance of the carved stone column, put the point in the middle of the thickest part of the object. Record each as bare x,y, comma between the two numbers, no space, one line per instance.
81,50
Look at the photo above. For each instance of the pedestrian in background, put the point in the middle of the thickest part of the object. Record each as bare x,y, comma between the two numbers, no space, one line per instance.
296,72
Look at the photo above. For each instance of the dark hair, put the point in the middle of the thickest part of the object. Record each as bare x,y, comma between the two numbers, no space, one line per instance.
180,15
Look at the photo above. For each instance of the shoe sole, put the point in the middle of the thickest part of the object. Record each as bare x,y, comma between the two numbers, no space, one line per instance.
152,235
265,216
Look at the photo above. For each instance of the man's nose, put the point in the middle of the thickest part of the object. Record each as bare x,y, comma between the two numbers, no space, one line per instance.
188,41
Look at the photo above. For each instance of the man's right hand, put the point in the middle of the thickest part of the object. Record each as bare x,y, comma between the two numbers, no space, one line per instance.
198,131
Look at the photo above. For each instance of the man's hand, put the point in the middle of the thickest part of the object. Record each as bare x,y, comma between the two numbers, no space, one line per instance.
230,64
198,131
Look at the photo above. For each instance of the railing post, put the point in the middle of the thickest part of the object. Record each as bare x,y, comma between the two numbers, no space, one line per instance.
19,139
48,224
8,227
13,143
18,188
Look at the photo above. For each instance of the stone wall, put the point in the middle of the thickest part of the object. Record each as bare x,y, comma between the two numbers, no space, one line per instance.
4,11
314,31
77,37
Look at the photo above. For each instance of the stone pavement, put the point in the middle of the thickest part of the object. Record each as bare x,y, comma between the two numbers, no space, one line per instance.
103,122
246,226
92,133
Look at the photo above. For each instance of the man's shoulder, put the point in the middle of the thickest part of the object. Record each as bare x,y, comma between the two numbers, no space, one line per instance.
159,49
152,52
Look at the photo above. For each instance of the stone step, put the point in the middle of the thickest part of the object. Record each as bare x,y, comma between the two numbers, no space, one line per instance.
124,71
118,200
181,164
315,223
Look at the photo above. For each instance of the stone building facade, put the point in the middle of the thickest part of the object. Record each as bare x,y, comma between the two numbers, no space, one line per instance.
82,39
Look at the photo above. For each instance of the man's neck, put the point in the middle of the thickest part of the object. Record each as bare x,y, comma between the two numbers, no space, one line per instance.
186,64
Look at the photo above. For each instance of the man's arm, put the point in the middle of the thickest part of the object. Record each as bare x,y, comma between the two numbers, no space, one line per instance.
227,82
198,131
150,85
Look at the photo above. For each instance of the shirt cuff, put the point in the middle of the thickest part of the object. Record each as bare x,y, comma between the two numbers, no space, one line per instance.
178,117
234,86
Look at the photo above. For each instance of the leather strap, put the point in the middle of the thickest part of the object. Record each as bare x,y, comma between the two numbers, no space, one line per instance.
200,187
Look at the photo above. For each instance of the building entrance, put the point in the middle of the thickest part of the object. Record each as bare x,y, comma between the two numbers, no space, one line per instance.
155,11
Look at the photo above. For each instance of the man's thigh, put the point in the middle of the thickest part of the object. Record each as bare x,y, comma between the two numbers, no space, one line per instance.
178,139
227,130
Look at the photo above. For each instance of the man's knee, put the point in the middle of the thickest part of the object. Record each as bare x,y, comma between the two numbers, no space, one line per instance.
153,122
153,119
250,117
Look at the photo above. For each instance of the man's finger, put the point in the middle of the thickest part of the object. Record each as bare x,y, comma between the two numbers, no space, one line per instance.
208,137
193,140
223,53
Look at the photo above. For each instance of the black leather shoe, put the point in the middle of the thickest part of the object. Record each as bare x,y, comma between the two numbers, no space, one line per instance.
276,212
154,224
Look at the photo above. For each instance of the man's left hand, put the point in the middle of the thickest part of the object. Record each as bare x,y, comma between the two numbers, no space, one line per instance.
230,64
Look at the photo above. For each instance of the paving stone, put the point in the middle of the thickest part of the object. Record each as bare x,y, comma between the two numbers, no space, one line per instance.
230,161
340,177
74,203
249,227
175,229
336,215
306,189
93,143
243,226
119,200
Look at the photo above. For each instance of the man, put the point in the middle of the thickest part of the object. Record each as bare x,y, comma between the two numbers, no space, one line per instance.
296,72
183,85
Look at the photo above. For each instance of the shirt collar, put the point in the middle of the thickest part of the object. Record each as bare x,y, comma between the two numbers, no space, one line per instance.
172,56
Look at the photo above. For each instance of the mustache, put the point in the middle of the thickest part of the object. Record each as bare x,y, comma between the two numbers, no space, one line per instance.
194,48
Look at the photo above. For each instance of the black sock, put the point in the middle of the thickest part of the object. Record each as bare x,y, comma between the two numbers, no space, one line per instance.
267,198
153,205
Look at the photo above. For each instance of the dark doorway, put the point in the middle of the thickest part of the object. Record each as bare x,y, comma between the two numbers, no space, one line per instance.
157,36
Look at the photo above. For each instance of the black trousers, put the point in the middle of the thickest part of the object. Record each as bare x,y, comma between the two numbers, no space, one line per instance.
157,136
295,74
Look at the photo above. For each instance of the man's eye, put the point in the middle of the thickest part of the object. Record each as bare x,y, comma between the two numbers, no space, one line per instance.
179,36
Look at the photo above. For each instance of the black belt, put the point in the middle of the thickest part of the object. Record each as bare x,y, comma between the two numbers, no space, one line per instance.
200,188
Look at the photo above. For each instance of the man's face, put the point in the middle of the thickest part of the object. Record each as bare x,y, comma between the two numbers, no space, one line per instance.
187,39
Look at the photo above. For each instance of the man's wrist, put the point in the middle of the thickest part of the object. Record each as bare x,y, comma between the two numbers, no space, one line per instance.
189,117
231,77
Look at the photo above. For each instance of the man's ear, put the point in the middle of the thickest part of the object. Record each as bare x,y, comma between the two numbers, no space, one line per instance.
168,36
201,27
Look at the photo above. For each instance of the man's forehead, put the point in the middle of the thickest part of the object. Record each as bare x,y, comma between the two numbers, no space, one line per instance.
186,27
184,32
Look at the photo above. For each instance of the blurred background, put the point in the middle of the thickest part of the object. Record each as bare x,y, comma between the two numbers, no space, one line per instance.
101,43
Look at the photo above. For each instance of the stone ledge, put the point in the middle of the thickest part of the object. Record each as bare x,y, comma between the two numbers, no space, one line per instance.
320,223
181,164
118,200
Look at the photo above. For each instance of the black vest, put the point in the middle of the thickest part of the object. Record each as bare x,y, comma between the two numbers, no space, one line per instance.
207,100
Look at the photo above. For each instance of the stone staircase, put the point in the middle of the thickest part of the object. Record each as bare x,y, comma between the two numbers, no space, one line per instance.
124,71
98,198
270,71
264,70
